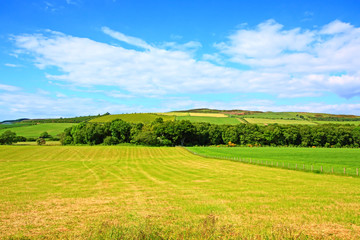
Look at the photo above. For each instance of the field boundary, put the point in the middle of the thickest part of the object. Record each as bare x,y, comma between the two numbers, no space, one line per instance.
284,165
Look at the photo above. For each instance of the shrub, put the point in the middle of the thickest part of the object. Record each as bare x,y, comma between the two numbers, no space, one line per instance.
110,140
40,141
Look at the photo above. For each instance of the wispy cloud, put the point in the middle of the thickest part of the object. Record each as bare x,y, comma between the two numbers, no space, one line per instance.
127,39
295,62
12,65
9,88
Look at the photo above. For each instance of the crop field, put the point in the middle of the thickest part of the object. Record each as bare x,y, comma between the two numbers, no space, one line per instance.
13,125
338,122
133,118
35,130
329,158
278,121
195,114
276,115
212,120
99,192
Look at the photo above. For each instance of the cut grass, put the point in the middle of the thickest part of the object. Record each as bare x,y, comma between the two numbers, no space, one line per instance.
34,131
278,121
338,122
133,118
98,192
276,115
181,114
212,120
329,158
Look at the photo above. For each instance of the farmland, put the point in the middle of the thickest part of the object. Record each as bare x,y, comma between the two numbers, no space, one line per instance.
34,131
278,121
327,157
84,192
133,118
212,120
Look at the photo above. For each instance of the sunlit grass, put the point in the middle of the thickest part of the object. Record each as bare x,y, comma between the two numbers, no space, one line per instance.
34,131
133,118
95,192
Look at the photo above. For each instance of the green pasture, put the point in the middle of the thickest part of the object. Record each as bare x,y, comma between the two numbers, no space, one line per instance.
13,125
338,122
276,115
335,159
129,192
278,121
133,118
212,120
34,131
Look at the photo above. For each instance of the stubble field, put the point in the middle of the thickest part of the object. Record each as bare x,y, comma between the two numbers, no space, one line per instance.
83,192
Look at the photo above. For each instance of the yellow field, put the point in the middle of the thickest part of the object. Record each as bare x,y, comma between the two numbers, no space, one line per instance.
99,192
278,121
182,114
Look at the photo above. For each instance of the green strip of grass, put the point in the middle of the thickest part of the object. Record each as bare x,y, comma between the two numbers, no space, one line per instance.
212,120
34,131
133,118
331,159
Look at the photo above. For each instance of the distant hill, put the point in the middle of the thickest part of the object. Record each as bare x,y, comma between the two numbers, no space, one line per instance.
215,116
13,121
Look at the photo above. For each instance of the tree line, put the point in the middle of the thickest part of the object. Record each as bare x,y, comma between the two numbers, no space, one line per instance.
186,133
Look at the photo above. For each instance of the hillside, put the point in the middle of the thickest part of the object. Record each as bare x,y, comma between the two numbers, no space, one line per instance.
133,118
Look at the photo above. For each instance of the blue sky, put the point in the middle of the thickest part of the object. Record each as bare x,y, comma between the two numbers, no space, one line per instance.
76,57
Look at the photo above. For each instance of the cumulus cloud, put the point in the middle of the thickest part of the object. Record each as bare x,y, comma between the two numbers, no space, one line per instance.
301,54
152,70
284,62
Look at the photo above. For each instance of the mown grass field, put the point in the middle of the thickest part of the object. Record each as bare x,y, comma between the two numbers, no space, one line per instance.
276,115
98,192
278,121
330,158
338,122
34,131
196,114
133,118
212,120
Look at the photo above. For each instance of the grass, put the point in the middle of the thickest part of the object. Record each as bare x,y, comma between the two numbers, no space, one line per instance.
338,122
133,118
278,121
276,115
35,130
98,192
13,125
212,120
329,158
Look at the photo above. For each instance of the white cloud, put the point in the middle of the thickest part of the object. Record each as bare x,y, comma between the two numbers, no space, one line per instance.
11,65
8,88
284,62
300,54
129,40
85,62
21,104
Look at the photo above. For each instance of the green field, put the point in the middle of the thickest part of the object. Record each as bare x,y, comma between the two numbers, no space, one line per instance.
35,130
133,118
329,158
278,121
212,120
276,115
126,192
338,122
13,125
